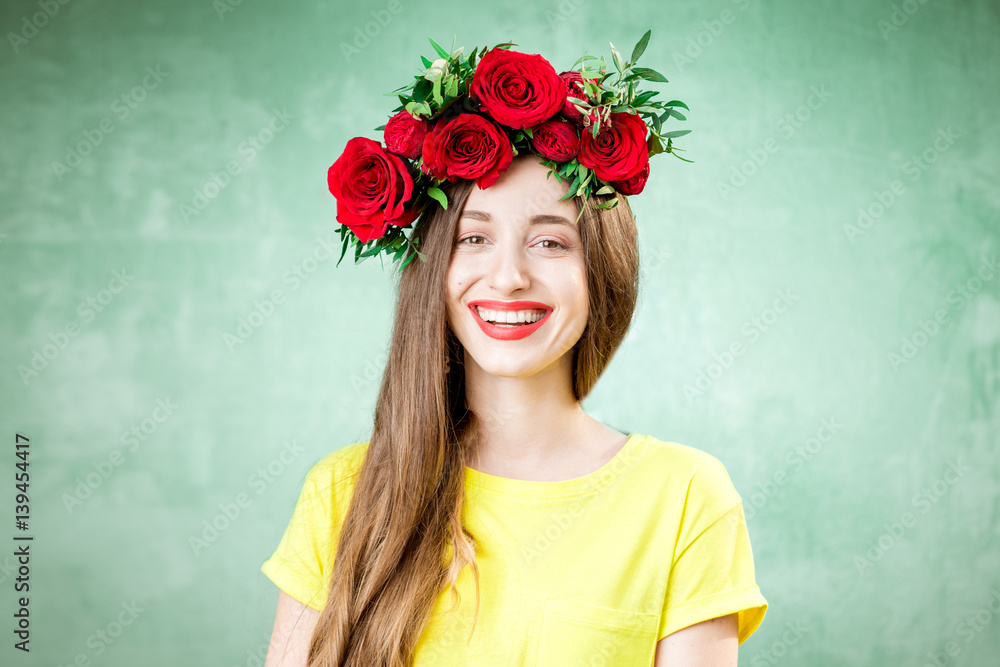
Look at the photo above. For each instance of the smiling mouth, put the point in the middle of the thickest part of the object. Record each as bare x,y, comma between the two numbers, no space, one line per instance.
538,314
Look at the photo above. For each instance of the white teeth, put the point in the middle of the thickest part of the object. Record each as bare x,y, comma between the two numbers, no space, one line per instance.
510,317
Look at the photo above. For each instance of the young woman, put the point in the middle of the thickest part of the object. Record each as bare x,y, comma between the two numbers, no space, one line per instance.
489,520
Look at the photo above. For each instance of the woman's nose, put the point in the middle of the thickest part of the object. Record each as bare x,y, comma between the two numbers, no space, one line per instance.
508,268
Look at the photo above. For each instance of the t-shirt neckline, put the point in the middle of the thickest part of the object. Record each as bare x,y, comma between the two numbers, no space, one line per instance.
588,483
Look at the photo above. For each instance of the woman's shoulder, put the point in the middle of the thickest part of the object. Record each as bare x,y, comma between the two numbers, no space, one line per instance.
681,455
338,466
697,471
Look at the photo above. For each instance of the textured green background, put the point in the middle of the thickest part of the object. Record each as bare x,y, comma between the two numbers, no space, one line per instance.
808,112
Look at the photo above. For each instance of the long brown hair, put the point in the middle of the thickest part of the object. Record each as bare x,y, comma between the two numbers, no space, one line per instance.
402,541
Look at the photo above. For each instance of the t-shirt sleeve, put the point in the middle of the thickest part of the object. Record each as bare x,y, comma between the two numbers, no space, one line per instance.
300,564
712,573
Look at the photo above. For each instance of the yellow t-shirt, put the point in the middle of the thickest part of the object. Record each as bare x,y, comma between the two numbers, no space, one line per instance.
588,571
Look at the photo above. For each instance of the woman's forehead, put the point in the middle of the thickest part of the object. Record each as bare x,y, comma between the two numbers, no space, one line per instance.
521,192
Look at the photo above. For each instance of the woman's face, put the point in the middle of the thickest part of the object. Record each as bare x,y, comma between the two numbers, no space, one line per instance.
518,251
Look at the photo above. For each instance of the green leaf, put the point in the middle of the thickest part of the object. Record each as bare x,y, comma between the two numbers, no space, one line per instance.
618,58
645,96
441,52
528,132
422,90
650,74
606,190
437,91
439,195
676,114
676,103
380,128
413,107
640,48
676,133
574,185
655,145
347,240
427,63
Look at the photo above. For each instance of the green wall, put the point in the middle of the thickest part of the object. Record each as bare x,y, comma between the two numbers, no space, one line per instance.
842,200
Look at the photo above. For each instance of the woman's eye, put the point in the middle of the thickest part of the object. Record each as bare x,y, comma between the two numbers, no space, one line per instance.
469,239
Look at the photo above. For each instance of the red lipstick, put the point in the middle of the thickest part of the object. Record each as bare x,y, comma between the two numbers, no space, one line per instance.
515,332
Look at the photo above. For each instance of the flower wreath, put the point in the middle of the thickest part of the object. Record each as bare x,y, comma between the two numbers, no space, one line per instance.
466,120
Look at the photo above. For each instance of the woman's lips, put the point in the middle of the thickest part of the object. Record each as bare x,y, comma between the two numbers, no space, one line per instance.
508,332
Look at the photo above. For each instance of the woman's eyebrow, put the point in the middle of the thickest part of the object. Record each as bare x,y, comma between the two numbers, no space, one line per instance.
540,219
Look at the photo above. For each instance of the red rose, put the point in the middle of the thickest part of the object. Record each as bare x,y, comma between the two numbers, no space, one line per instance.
404,134
634,184
573,82
373,188
556,140
517,89
467,146
619,151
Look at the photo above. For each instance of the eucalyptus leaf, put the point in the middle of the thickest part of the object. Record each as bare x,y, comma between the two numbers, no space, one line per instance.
676,133
437,47
618,58
437,92
640,48
650,74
